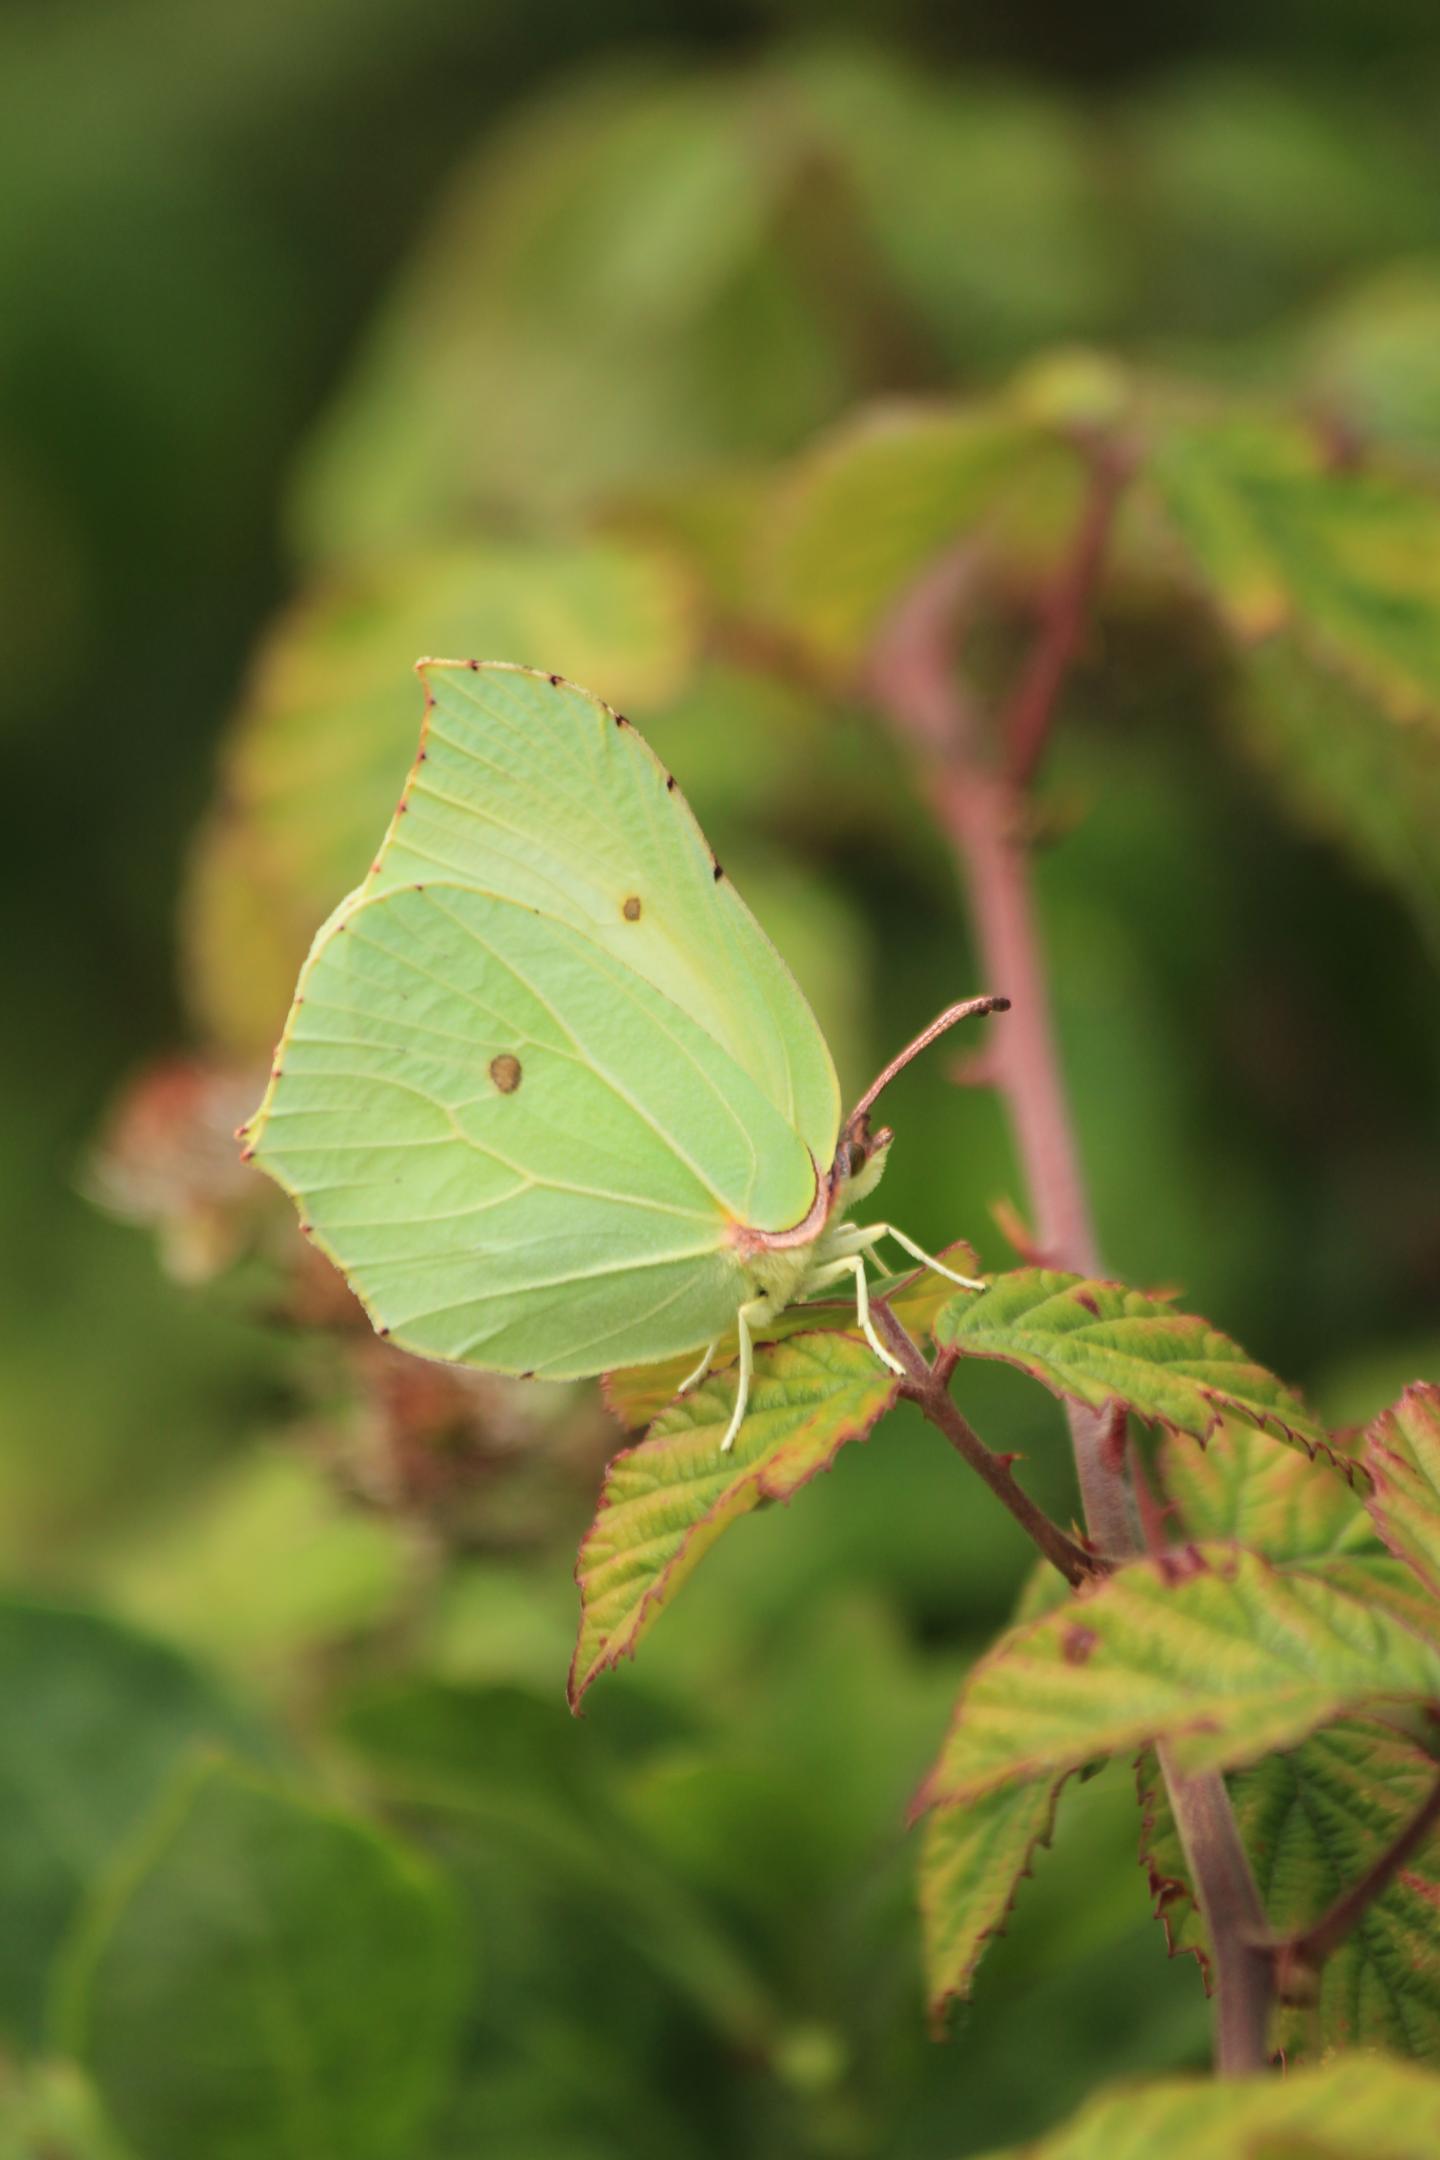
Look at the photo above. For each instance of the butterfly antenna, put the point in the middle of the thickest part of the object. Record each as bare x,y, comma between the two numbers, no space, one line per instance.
967,1009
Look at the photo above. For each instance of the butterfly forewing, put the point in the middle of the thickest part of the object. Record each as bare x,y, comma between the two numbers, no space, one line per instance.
531,789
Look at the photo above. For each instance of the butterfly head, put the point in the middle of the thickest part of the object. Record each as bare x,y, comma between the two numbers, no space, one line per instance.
859,1163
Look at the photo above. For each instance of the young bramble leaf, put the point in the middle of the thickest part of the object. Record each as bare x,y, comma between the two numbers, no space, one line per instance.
1099,1343
973,1859
666,1501
1357,2107
1270,1500
1216,1650
636,1394
1402,1454
1313,1820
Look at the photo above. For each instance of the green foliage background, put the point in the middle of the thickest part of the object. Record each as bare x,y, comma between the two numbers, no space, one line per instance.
348,329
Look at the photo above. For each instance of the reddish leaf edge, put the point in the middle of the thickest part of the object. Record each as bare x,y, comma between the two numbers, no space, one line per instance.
1268,1422
578,1685
940,2007
1177,1565
1419,1394
1166,1891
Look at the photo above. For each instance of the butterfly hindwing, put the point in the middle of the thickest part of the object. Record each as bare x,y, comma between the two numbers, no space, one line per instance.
520,1152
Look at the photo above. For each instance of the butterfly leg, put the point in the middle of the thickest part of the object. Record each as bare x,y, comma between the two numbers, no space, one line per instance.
853,1265
917,1252
700,1370
758,1309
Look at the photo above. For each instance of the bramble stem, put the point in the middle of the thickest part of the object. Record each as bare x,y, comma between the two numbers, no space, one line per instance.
925,1386
983,811
1027,722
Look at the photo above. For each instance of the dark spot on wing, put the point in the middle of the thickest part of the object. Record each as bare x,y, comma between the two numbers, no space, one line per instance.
474,666
555,681
631,909
670,782
719,872
620,720
505,1072
528,1375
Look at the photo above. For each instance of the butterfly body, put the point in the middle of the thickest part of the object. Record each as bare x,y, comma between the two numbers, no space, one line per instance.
548,1096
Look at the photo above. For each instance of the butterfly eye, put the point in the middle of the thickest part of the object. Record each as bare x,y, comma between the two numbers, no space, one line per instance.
631,909
505,1072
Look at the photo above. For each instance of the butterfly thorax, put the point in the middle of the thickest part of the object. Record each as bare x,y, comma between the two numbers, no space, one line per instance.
780,1265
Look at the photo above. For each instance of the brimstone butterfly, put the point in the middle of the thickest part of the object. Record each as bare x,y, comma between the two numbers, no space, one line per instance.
548,1096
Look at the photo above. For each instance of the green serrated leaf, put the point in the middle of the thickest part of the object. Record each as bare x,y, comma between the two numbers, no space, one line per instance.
665,1502
301,1968
1099,1343
1216,1650
97,1718
638,1393
1313,1820
1402,1455
973,1859
1358,2107
1271,1500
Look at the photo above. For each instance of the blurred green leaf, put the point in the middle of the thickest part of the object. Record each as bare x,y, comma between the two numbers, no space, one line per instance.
1099,1343
319,750
1328,575
861,516
49,2113
264,1563
1313,1820
1402,1455
97,1718
1343,768
1356,2107
983,202
606,297
1244,191
973,1859
1218,1651
1346,557
301,1968
1369,358
538,1792
665,1502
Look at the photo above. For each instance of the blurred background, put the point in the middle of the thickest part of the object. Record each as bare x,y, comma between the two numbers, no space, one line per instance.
343,330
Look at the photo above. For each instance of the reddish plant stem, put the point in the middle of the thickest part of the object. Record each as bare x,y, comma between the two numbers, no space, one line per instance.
1028,719
983,812
926,1386
1300,1956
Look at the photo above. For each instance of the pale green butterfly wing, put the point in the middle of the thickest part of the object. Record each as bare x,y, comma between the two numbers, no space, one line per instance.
524,1151
533,789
